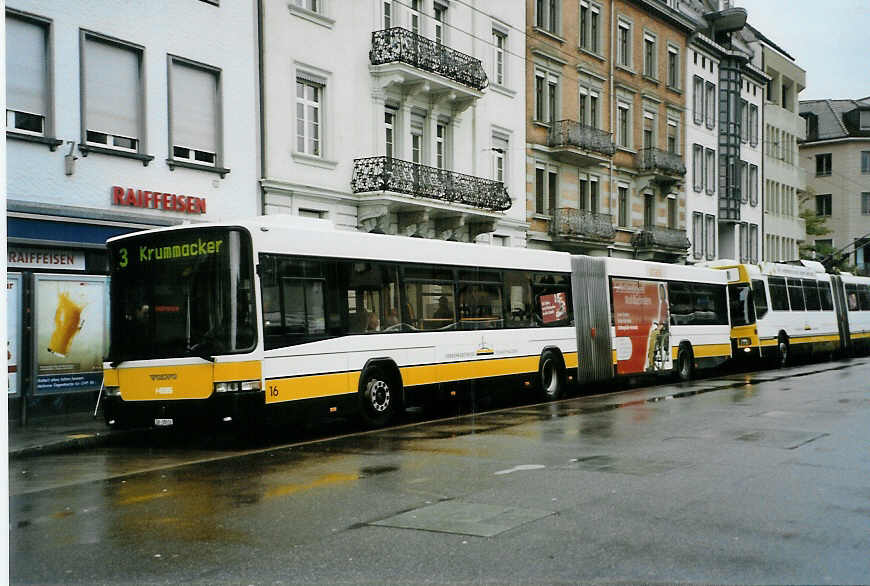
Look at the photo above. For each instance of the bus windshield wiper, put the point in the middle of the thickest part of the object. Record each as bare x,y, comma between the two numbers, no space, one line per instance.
200,350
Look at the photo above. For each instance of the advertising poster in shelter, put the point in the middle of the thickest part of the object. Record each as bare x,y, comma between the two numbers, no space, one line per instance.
13,331
640,312
71,325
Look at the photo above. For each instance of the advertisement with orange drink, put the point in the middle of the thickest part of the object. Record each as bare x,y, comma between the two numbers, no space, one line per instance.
13,330
71,332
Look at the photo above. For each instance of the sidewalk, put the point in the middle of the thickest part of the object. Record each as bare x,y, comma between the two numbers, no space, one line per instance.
60,433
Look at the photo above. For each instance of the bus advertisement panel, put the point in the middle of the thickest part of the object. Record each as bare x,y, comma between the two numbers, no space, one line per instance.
641,315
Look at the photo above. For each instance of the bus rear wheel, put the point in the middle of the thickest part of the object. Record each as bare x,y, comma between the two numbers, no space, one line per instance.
685,364
782,352
378,398
551,376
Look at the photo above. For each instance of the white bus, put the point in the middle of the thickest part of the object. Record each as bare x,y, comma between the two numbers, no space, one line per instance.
218,321
778,310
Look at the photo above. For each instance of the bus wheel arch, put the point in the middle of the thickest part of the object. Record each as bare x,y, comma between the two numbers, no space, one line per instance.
685,361
551,374
380,392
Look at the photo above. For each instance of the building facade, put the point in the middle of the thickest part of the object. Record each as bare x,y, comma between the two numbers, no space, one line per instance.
605,112
410,123
836,158
113,128
784,179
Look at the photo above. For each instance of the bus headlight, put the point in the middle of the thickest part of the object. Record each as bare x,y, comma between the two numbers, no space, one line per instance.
744,341
112,391
236,386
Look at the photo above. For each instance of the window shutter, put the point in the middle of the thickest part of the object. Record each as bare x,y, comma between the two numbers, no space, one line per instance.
194,108
25,67
111,89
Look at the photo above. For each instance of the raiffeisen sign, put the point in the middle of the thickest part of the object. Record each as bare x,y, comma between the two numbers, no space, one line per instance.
157,200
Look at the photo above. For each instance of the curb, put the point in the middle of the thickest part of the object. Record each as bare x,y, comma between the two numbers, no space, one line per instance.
70,443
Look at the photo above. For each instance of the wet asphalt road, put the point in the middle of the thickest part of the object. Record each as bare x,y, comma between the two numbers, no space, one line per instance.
745,478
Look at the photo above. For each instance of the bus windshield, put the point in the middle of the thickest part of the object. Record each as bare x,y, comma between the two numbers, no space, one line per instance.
740,304
182,293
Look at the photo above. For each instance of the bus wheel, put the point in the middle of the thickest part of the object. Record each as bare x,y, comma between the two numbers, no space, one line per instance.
782,356
378,395
552,376
685,364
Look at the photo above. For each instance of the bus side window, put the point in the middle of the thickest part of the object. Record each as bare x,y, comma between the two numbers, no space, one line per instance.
682,305
518,291
480,306
863,297
825,296
778,294
811,294
553,304
760,298
851,290
795,294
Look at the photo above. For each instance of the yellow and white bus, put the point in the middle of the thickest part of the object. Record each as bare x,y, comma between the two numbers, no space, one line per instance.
779,309
217,321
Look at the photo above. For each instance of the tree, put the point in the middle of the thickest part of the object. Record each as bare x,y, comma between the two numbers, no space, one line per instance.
815,226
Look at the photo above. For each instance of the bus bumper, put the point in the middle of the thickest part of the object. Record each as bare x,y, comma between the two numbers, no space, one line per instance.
238,407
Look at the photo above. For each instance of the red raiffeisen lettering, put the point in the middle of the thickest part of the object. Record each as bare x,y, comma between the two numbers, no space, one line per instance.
140,198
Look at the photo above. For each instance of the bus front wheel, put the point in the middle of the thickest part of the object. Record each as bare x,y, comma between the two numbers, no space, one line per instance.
685,364
378,396
551,375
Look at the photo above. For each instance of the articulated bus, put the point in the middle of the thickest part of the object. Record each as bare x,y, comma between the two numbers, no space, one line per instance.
233,321
782,309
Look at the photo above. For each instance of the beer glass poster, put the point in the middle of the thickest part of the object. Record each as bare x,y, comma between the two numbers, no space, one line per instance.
70,332
13,330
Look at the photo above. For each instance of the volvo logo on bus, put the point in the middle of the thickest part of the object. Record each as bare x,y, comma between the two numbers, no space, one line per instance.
169,376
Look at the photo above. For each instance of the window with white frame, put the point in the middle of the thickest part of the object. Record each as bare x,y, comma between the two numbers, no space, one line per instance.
195,115
623,124
744,182
113,100
710,168
710,104
388,14
589,101
623,47
650,66
547,15
698,167
593,194
546,96
582,192
753,243
499,158
546,189
499,43
753,185
312,5
744,121
710,229
27,75
744,242
390,131
864,119
865,162
698,235
623,205
590,26
672,213
441,144
649,130
414,16
309,99
753,125
673,67
440,23
417,122
673,136
865,203
698,99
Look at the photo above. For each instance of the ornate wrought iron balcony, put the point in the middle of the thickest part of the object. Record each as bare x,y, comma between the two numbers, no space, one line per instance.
387,174
399,44
659,161
570,133
661,237
570,222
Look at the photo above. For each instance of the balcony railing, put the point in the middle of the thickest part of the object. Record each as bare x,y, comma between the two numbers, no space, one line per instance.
653,159
399,44
387,174
573,222
659,236
570,133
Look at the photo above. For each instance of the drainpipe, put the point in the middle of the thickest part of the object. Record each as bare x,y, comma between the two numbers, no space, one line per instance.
612,129
261,103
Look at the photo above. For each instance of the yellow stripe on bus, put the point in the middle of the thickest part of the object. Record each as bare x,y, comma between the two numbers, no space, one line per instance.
804,340
233,371
311,387
706,350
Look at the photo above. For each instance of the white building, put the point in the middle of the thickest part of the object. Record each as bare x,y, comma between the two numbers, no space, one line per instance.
784,179
725,92
122,116
396,117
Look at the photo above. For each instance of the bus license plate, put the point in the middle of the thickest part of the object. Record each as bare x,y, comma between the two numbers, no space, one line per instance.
163,422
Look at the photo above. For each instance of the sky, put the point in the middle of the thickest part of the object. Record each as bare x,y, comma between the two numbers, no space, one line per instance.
829,39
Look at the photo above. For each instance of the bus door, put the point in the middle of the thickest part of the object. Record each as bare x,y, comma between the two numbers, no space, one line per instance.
842,315
641,317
